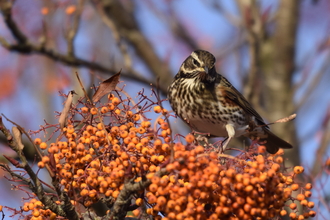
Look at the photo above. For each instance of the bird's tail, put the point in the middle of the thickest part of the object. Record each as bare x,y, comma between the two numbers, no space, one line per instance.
273,143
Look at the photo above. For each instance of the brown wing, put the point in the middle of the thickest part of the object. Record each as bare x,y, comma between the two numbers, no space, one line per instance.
236,97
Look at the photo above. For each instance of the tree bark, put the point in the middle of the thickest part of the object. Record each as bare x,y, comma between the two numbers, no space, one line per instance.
278,68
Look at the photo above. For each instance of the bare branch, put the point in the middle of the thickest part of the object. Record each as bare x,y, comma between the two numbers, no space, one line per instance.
254,27
73,31
128,28
5,7
324,144
25,47
124,199
35,185
311,86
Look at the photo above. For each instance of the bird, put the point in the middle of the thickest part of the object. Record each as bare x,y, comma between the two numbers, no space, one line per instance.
210,104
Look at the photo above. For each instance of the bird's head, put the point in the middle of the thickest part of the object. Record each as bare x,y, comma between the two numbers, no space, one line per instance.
199,65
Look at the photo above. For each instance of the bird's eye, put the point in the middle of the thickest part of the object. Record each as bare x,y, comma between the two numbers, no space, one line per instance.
195,62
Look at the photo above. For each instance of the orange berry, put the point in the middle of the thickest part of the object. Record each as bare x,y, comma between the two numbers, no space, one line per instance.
152,199
41,164
310,204
157,109
308,186
146,124
111,96
150,211
261,149
141,130
100,126
115,194
279,160
95,164
111,106
293,215
84,192
280,152
312,213
139,201
116,147
301,217
114,130
300,197
115,101
165,147
70,9
104,110
124,156
289,180
190,138
84,110
161,200
164,111
170,167
129,114
150,175
123,134
92,193
308,194
293,206
153,158
136,117
164,126
145,151
136,212
304,202
160,158
43,145
94,111
117,111
36,213
283,212
37,141
275,167
152,168
298,169
44,10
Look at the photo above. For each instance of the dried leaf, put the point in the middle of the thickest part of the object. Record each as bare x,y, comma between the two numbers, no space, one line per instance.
106,87
65,112
52,162
18,137
12,161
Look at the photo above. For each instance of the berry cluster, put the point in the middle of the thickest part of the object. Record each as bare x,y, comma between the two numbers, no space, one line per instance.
38,211
205,186
113,143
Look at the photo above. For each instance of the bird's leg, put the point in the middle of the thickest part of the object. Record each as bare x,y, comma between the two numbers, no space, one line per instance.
202,139
231,133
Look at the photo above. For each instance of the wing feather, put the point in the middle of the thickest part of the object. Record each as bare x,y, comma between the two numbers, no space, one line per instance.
235,96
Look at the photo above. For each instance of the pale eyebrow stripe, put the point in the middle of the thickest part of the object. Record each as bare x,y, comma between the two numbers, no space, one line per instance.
194,55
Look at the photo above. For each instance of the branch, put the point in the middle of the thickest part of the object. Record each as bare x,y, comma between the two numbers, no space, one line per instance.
5,7
35,185
312,86
128,28
72,33
124,198
175,25
25,47
324,144
253,23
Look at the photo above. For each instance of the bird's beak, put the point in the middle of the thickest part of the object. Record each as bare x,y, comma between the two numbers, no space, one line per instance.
206,70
